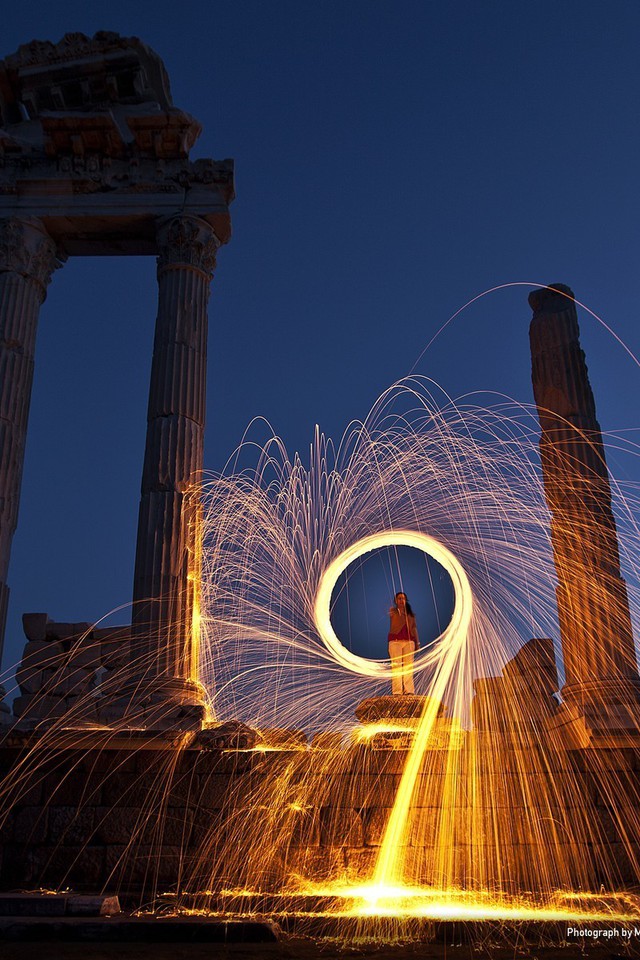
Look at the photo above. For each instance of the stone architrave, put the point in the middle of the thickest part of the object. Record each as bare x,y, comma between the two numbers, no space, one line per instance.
167,570
595,625
27,261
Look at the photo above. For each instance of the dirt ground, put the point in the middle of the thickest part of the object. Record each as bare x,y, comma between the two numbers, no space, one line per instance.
307,949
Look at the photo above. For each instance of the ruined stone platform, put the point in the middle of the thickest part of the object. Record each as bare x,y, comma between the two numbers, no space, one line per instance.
139,813
408,707
46,904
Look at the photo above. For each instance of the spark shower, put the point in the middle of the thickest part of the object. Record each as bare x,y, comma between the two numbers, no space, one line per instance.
468,800
425,471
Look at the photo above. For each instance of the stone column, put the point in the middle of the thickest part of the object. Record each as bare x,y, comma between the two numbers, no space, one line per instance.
27,261
595,624
167,569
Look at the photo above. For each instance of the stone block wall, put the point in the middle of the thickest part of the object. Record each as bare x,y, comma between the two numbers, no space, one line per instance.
65,669
150,816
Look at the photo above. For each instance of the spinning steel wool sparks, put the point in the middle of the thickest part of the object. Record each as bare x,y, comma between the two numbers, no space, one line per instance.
210,746
474,798
276,542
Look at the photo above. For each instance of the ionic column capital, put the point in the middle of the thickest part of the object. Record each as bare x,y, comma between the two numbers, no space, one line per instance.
27,249
185,241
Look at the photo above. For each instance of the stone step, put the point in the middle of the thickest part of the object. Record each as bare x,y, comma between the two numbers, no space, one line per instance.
137,930
42,904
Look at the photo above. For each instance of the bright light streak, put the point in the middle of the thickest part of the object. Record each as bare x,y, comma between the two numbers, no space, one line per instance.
457,627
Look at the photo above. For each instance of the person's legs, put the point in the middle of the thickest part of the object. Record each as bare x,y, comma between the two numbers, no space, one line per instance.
407,667
395,653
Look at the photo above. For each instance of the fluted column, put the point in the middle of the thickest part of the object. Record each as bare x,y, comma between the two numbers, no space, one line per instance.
595,625
167,568
27,261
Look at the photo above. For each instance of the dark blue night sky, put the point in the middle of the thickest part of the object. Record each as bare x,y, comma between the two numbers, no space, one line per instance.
394,158
365,591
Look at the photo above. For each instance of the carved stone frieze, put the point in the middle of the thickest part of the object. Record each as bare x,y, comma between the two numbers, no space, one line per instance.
187,241
26,249
81,73
88,173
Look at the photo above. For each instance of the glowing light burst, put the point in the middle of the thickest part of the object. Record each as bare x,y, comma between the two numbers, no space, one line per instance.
455,632
461,478
459,481
380,900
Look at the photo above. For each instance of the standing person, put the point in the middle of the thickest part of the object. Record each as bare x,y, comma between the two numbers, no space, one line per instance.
403,643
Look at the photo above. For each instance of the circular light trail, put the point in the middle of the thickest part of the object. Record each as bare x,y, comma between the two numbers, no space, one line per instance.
453,636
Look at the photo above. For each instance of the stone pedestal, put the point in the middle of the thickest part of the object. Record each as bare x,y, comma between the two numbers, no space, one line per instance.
27,260
390,722
165,627
604,713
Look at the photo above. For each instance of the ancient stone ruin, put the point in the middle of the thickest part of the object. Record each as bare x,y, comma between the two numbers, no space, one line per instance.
94,160
113,778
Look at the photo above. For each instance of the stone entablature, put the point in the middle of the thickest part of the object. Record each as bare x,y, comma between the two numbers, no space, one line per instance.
99,207
92,146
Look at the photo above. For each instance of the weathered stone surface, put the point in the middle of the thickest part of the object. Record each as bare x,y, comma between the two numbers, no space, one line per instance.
67,632
101,161
374,821
341,826
283,737
80,866
5,709
113,644
35,625
60,667
230,735
67,789
135,789
30,825
376,709
42,654
171,714
521,698
27,261
212,792
41,660
71,826
151,813
38,707
140,824
304,827
70,682
111,710
31,680
595,625
167,558
54,905
360,864
85,655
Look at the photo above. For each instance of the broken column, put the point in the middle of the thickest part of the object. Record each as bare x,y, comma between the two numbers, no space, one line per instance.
167,570
27,261
595,625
